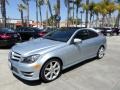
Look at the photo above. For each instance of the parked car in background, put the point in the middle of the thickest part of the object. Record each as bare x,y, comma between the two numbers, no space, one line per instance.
105,30
116,31
46,57
28,33
8,37
108,30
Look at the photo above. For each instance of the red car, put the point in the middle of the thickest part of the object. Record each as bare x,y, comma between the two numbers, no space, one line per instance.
8,37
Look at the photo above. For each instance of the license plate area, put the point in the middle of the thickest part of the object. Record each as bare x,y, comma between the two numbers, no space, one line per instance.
14,69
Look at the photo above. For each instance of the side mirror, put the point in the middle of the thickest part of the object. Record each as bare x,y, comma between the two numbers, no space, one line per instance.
77,40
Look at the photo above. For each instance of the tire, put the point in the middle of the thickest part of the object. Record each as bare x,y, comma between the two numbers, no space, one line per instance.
101,52
51,70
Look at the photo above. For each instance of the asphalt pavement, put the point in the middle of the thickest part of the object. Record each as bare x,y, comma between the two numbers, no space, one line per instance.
92,74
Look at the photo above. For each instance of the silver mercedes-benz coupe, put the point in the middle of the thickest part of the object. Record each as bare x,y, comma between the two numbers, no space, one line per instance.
45,58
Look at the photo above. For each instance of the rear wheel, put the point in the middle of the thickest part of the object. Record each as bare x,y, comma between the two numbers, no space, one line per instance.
101,52
51,70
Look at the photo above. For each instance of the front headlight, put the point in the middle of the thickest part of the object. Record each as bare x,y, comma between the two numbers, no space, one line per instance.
31,59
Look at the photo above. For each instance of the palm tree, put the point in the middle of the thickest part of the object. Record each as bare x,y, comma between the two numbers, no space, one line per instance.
36,1
81,12
58,12
21,8
86,8
67,4
78,5
118,16
26,2
86,19
96,10
40,3
47,2
3,11
103,10
73,10
111,7
91,10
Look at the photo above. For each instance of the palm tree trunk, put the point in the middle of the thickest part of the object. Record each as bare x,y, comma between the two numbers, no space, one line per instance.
73,11
77,16
37,13
58,12
27,13
50,10
47,16
117,20
68,13
90,19
3,11
22,17
86,19
40,14
93,20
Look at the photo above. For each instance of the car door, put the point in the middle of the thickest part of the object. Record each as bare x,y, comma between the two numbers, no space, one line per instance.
88,47
75,53
85,49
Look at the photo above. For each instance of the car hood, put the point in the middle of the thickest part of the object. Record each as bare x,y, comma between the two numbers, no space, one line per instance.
36,46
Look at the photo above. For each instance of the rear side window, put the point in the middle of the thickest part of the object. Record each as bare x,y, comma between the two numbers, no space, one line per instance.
83,34
92,34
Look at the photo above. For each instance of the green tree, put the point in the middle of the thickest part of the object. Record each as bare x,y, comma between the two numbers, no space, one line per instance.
96,9
78,5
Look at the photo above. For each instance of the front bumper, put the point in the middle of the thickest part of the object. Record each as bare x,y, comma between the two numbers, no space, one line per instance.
28,72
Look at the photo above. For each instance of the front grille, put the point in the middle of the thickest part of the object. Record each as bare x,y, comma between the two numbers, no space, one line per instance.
15,56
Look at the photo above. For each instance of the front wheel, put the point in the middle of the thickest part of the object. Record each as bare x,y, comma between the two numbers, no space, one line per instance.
101,52
51,70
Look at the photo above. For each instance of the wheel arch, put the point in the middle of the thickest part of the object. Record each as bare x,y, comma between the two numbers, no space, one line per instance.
49,60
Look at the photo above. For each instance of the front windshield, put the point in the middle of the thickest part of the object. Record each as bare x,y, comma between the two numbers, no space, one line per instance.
60,35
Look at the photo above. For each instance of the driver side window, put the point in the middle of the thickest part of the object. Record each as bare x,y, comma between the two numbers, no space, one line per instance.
83,35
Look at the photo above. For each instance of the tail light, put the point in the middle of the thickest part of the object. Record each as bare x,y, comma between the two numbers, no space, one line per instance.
5,36
41,33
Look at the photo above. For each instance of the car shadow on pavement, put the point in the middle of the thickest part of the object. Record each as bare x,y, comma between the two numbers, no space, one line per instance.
78,65
30,83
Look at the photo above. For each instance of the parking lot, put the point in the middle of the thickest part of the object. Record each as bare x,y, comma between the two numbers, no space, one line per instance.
93,74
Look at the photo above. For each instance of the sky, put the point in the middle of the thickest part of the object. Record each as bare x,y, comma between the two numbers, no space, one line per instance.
12,9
